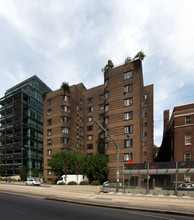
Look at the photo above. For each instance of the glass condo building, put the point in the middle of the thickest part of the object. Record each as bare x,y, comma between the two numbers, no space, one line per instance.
21,127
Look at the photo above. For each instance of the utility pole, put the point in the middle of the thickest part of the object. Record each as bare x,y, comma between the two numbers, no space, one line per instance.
117,147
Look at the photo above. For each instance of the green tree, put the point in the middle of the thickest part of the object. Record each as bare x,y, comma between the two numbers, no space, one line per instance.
65,86
23,173
35,173
44,92
65,162
96,167
140,55
108,66
128,60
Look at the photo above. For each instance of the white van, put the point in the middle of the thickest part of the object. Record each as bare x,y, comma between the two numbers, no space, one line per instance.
71,177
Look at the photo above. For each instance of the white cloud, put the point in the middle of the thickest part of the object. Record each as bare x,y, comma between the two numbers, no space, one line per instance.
63,40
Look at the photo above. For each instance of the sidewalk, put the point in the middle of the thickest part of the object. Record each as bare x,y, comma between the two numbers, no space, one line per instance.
165,204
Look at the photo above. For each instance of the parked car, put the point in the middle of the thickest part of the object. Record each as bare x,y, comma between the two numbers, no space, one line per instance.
33,182
186,186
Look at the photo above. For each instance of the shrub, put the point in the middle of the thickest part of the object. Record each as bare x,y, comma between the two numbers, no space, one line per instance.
72,183
84,183
95,183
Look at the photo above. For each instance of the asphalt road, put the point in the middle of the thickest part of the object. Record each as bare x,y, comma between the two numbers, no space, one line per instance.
28,208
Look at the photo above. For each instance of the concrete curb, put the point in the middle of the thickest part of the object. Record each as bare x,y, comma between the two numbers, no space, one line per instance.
122,207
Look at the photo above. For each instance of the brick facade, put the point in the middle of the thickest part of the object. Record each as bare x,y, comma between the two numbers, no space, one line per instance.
122,104
178,136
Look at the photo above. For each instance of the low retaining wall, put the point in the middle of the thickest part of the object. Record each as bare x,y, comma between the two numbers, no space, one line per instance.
161,192
78,188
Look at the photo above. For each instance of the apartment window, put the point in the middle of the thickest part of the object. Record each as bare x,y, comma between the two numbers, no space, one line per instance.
145,134
101,135
49,112
49,152
49,172
106,120
90,128
81,128
128,88
49,142
65,119
144,114
90,118
65,140
81,102
145,153
128,102
127,75
146,96
106,108
49,122
101,116
101,97
127,156
128,143
105,134
100,145
90,100
144,143
90,109
49,101
65,130
188,120
187,139
101,107
89,146
49,132
90,137
145,124
128,129
128,115
106,83
65,98
187,157
106,146
106,95
65,108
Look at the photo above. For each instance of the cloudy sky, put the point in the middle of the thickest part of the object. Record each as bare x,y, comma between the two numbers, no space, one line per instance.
65,40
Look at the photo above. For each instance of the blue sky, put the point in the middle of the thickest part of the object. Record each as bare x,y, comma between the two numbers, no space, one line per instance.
65,40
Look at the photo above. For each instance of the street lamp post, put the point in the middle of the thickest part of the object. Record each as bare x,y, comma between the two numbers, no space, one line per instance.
117,147
29,154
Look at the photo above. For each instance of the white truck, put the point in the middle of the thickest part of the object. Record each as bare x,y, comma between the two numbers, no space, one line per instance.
71,177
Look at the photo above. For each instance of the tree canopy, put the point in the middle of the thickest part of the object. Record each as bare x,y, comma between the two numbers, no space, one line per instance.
108,66
65,86
128,60
140,55
95,167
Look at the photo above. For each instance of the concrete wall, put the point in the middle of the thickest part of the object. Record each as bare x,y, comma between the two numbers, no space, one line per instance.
78,188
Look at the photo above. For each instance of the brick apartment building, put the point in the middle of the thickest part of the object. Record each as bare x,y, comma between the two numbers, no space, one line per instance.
177,144
122,104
